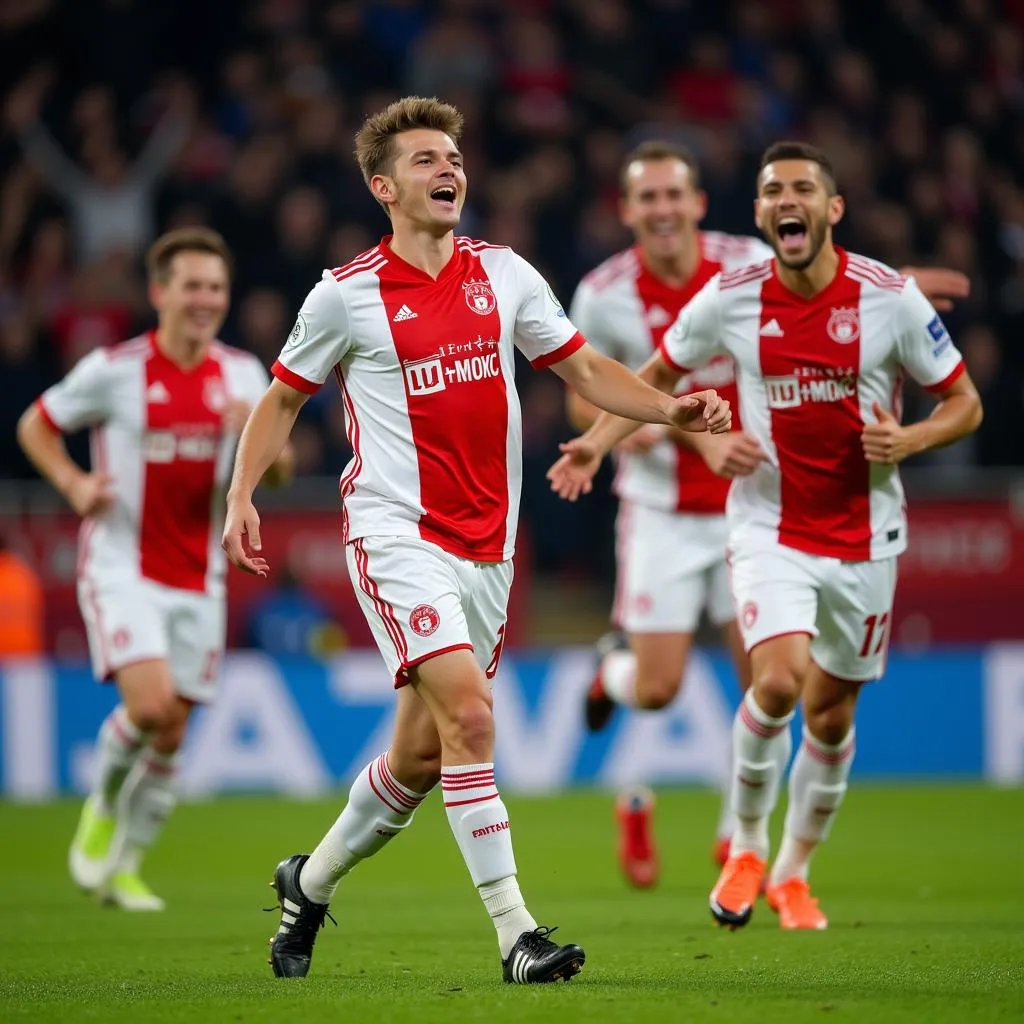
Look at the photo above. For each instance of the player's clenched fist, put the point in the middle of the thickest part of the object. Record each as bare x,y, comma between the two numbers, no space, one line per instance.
703,410
243,520
887,441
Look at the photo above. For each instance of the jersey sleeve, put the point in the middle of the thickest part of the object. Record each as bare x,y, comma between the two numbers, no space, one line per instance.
543,333
924,346
82,398
695,337
319,340
585,313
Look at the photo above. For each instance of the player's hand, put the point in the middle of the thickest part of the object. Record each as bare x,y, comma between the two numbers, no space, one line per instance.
642,440
887,441
703,410
735,454
91,494
235,414
243,521
940,286
573,473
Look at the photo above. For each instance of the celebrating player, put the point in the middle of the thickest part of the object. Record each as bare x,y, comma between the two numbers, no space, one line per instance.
165,411
821,338
419,333
671,530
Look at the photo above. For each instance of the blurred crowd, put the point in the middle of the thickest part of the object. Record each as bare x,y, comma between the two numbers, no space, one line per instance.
123,118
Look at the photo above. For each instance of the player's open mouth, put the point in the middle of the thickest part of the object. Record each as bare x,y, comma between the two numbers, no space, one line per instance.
792,233
445,195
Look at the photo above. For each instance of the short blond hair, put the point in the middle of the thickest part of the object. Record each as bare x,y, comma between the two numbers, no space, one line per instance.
191,239
375,151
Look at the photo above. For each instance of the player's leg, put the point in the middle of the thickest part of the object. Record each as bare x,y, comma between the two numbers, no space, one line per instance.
850,649
659,596
147,799
817,786
776,594
381,801
457,686
128,646
194,625
721,613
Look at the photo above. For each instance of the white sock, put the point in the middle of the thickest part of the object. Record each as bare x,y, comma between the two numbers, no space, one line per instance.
146,801
117,749
479,823
618,677
758,740
378,808
817,786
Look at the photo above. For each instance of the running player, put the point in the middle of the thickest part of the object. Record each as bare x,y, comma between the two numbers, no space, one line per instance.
821,338
419,333
165,410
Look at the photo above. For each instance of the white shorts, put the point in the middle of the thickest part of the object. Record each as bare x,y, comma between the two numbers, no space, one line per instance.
845,607
671,566
421,601
139,620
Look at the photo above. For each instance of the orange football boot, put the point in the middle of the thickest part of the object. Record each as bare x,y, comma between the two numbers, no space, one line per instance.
796,907
736,891
637,855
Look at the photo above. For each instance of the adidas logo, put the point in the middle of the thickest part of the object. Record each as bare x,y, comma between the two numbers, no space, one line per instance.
771,329
405,313
157,393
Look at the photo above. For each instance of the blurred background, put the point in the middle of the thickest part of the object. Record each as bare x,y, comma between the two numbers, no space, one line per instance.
123,118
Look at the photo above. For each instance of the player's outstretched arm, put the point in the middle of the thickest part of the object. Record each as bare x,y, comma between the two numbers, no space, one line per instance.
957,414
263,440
88,494
628,400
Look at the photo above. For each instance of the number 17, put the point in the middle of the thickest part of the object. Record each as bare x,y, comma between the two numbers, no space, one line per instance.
875,624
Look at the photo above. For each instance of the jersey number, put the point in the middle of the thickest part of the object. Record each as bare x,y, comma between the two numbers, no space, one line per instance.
876,633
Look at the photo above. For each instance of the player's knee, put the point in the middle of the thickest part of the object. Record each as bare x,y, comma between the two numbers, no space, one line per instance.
777,689
472,724
830,725
655,692
153,713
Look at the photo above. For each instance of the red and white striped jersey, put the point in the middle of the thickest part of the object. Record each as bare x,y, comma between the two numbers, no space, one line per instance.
623,310
809,371
427,375
158,431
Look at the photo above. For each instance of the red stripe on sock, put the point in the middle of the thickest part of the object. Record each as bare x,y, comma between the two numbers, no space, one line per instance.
474,800
831,757
159,767
123,736
388,780
759,728
380,796
449,774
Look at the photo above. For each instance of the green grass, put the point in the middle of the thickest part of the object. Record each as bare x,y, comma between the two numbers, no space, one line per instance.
923,887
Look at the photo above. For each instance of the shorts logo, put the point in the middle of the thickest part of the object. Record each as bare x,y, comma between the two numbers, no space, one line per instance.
479,297
749,615
424,619
121,638
844,326
643,604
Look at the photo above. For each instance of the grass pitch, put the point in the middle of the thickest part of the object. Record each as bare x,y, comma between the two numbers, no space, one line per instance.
923,887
